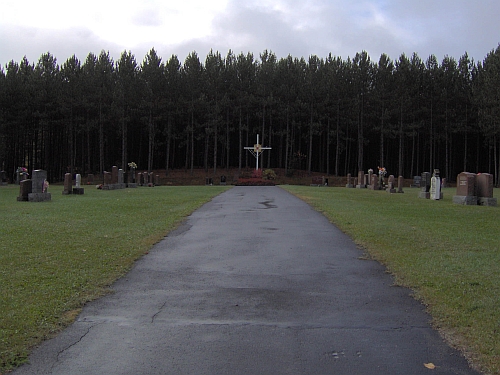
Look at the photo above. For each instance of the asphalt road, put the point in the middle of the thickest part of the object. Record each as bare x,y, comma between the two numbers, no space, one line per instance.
254,282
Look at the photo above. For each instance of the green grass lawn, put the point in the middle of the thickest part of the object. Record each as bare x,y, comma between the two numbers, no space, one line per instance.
448,254
55,256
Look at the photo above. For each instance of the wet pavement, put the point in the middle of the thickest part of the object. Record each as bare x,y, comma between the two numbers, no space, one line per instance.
254,282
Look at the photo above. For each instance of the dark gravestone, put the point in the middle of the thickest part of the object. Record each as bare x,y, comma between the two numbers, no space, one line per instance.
390,184
222,180
349,181
38,185
24,190
425,185
416,181
107,178
466,189
114,175
361,180
484,188
400,184
68,184
373,182
3,178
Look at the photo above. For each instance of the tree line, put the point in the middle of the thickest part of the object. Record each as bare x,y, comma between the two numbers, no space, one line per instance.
329,115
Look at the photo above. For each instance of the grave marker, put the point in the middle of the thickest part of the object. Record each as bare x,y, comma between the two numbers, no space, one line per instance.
38,187
3,178
435,189
484,185
466,189
361,180
24,190
68,184
400,184
349,181
425,185
78,188
390,184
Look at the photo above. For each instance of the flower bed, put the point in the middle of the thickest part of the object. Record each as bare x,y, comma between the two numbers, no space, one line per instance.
254,182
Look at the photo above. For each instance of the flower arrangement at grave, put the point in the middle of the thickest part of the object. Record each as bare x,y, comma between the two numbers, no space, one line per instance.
132,165
45,186
20,170
370,171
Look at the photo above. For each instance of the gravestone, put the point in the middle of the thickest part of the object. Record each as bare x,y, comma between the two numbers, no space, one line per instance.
114,175
24,190
435,189
416,181
390,184
373,182
466,189
78,190
140,179
361,180
131,179
3,178
425,185
222,180
157,180
400,184
90,179
317,181
120,177
484,190
38,187
68,184
370,174
349,183
107,180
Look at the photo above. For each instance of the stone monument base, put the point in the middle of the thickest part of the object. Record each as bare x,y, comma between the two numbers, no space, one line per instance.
360,186
350,186
391,190
466,200
425,195
113,186
78,191
487,201
132,185
39,197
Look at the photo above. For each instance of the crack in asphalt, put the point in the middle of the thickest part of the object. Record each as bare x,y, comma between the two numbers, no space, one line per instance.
159,311
73,344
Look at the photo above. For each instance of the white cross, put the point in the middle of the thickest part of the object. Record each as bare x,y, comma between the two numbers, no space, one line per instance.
256,150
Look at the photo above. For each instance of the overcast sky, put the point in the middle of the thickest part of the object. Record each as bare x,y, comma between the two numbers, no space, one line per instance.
297,27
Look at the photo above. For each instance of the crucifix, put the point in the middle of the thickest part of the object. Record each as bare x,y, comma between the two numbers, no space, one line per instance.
256,150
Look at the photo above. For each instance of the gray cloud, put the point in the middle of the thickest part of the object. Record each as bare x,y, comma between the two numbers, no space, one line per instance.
297,27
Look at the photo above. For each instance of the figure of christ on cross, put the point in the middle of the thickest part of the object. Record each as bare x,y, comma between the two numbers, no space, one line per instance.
256,150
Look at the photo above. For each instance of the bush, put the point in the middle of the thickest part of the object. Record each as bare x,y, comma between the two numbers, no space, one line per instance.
269,174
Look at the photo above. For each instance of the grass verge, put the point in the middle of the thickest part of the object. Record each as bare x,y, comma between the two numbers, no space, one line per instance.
448,254
55,256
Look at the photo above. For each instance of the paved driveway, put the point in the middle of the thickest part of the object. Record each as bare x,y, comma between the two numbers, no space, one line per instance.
254,282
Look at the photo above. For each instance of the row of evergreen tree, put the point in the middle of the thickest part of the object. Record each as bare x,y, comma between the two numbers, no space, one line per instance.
328,115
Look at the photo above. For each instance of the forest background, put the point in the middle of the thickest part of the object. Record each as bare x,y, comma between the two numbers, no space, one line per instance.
329,115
